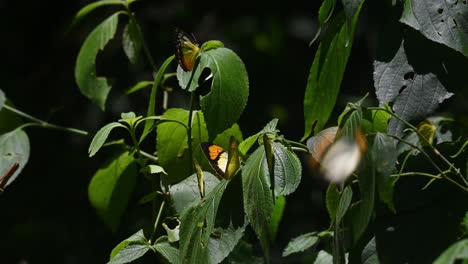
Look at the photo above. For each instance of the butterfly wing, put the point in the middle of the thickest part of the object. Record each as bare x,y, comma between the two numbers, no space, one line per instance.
217,157
186,49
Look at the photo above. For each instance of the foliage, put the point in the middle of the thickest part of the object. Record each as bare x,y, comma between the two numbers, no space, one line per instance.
379,147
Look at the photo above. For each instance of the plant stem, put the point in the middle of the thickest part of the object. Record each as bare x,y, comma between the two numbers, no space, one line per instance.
189,126
297,144
42,123
442,173
156,223
434,149
438,176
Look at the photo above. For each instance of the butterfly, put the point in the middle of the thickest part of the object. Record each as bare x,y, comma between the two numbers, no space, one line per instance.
224,163
187,49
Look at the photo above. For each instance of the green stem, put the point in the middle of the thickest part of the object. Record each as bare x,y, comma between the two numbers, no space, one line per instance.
432,162
434,149
156,223
297,144
189,126
438,176
42,123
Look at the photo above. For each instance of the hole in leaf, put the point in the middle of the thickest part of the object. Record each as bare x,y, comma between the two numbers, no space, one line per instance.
439,33
464,2
409,75
454,23
401,89
204,82
440,10
442,20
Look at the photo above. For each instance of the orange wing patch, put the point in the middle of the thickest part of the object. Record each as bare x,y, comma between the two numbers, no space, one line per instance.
214,151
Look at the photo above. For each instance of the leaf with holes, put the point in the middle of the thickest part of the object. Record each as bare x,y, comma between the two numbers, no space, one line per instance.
414,95
14,148
445,22
91,86
227,99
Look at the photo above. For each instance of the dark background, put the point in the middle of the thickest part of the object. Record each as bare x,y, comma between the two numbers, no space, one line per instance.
45,216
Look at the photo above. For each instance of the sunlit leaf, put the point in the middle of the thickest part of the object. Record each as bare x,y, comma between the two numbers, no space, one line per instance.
444,22
223,242
258,198
131,252
276,216
301,243
94,87
101,137
91,7
111,187
137,237
186,192
227,99
170,253
369,254
197,224
457,251
131,42
343,205
326,73
138,86
2,99
287,170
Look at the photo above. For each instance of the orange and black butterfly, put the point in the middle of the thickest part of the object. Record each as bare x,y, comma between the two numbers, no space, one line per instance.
187,49
224,163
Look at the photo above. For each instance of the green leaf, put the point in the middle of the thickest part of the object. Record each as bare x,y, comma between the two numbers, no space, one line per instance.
101,137
385,158
350,123
258,200
138,86
457,251
153,169
326,73
361,213
14,148
375,121
223,243
170,253
325,11
301,243
91,7
2,99
323,258
227,99
332,200
197,224
131,43
222,139
91,86
154,90
245,145
129,118
139,236
369,254
211,44
276,216
111,187
131,252
444,22
345,201
351,9
172,136
425,89
186,192
287,170
465,223
172,141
